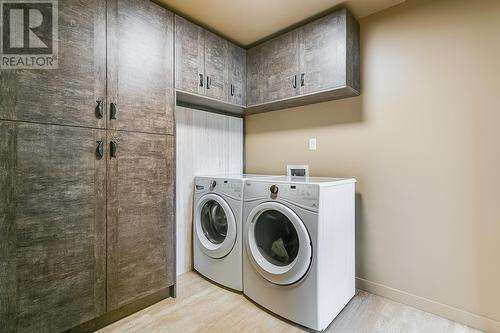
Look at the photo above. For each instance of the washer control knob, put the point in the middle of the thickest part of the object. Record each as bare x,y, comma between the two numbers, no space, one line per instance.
214,183
274,189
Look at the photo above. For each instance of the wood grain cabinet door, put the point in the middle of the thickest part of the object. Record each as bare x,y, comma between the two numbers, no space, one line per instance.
255,75
66,95
282,67
52,227
323,53
274,65
237,74
189,56
140,220
140,66
216,67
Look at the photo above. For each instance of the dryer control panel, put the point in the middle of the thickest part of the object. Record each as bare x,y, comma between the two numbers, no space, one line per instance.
229,187
306,195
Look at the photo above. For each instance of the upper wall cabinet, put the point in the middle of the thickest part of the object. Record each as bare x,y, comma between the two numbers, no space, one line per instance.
210,72
237,75
314,63
322,52
216,66
189,57
272,69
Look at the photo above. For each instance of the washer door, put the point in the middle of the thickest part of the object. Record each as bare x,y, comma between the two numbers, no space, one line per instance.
278,243
215,226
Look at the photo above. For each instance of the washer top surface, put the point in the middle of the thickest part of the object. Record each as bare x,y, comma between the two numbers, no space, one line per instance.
238,176
322,181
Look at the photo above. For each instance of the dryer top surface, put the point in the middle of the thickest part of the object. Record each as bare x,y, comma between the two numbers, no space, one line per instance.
322,181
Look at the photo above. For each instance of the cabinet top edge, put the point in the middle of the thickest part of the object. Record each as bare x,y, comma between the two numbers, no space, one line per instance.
188,18
279,33
324,13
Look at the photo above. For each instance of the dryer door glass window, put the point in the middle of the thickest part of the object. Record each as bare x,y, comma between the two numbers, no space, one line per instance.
214,222
276,238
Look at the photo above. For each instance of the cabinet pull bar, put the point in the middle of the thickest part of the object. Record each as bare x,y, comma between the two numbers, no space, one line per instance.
232,90
99,109
295,81
209,82
113,110
112,149
302,79
201,80
99,150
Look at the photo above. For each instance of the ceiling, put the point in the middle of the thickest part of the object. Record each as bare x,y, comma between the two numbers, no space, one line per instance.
248,21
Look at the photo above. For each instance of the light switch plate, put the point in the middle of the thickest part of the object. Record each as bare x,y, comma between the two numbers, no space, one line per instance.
312,143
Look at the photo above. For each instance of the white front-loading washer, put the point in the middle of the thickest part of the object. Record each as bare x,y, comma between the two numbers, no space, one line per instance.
217,228
298,240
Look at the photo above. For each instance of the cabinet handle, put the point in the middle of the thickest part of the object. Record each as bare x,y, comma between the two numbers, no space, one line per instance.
302,79
112,149
112,111
295,81
201,80
232,90
99,150
99,109
209,82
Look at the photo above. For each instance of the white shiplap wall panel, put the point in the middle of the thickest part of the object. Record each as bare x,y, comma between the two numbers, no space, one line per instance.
207,143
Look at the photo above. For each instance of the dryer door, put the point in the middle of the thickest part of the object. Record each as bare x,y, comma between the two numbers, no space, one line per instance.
278,244
215,226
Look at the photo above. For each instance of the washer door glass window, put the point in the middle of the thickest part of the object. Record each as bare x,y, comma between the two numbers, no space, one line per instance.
214,222
215,226
278,243
276,238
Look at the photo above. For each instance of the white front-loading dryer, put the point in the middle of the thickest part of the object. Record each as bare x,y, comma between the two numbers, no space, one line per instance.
298,259
217,228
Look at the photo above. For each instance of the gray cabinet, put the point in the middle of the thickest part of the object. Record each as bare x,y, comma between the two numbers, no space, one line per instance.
140,228
66,95
322,54
256,88
189,56
86,237
53,227
237,75
327,54
216,67
140,223
313,63
272,69
210,71
140,69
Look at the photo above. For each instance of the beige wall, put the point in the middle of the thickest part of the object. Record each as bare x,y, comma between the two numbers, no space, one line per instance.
423,141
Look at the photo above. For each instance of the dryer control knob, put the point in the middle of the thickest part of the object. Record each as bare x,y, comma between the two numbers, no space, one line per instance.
214,183
274,189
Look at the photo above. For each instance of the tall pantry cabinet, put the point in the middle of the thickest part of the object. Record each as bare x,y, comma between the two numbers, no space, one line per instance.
87,171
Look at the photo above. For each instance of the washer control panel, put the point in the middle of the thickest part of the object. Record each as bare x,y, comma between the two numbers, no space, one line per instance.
300,194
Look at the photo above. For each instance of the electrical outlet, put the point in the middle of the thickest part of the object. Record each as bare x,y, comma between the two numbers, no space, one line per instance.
312,143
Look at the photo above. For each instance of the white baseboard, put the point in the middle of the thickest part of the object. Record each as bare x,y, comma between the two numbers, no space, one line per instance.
467,318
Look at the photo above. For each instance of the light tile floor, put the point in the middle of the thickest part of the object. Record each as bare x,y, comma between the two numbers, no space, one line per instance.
201,306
